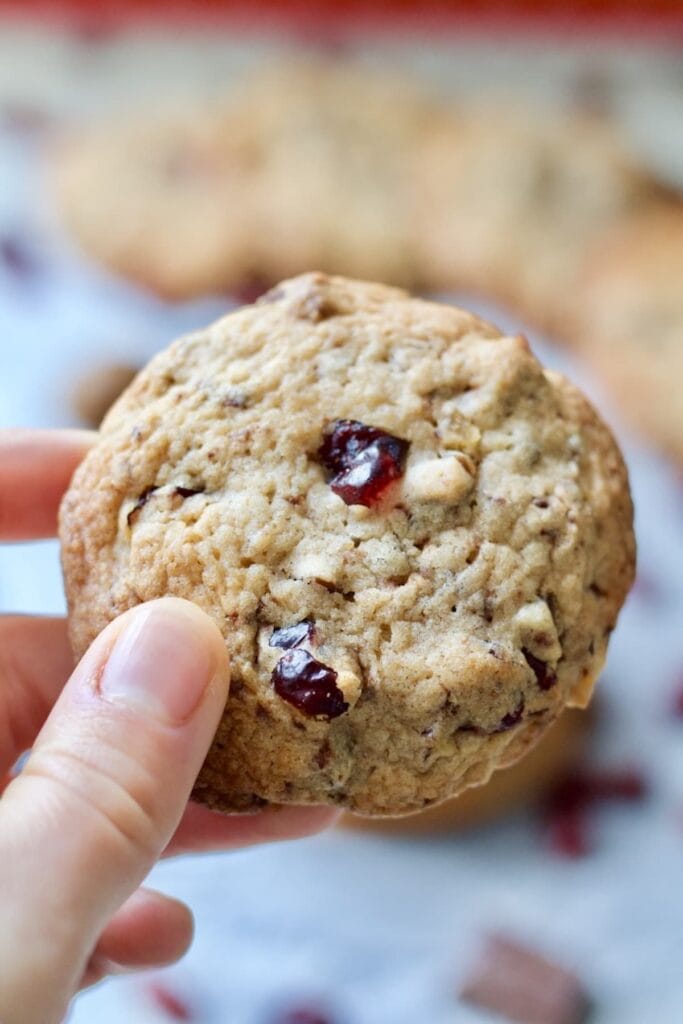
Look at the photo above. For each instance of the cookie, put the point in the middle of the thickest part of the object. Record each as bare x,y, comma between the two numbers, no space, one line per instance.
414,539
522,784
162,199
511,199
301,165
628,322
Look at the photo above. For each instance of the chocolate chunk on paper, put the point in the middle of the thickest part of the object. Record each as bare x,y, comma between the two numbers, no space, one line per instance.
521,985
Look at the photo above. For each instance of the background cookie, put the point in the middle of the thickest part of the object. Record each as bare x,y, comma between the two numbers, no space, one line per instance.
163,198
513,198
415,540
301,165
628,322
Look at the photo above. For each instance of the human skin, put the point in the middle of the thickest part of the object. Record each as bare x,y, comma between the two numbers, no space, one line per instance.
116,744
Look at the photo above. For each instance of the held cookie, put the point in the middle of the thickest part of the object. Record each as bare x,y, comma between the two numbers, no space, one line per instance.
628,322
522,784
414,539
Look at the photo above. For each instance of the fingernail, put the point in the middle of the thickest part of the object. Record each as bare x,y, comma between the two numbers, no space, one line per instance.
163,661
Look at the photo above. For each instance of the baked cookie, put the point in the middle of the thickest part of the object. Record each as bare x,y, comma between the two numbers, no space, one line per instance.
300,165
511,199
628,322
522,784
415,540
163,199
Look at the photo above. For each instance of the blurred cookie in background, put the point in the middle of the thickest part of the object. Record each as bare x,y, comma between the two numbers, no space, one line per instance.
511,198
525,783
628,322
302,165
97,388
335,177
162,198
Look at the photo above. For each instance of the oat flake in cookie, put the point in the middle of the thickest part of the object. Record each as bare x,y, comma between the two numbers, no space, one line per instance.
415,540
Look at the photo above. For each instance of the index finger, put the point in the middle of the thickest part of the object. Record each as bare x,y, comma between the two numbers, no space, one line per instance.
35,469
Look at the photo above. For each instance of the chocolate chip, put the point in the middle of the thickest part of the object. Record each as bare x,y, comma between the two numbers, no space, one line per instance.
545,676
512,718
521,985
324,755
315,307
187,492
292,636
140,504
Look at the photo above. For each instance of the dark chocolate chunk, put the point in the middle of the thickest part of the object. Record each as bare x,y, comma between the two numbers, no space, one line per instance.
521,985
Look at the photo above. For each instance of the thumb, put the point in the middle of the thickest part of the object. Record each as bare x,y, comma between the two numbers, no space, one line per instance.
101,795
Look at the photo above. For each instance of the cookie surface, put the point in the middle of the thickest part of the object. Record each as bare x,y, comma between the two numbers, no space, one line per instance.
628,322
523,784
414,539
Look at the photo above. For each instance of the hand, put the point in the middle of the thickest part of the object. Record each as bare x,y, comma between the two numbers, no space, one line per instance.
115,752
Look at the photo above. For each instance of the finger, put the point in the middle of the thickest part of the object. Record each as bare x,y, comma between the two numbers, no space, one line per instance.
150,930
35,662
101,795
36,467
201,829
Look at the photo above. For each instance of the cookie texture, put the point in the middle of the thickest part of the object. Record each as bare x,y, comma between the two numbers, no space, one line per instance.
523,784
414,539
628,322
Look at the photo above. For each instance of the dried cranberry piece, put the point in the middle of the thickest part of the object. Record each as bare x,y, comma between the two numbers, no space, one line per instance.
567,833
188,492
169,1003
291,636
309,685
19,259
304,1015
567,807
361,461
677,703
545,676
627,784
